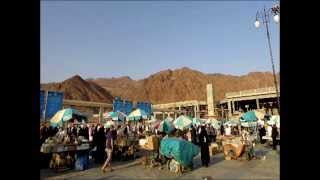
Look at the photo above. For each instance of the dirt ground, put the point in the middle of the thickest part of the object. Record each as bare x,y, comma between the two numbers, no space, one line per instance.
218,169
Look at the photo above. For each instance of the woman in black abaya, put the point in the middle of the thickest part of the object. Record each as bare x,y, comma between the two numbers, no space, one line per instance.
204,145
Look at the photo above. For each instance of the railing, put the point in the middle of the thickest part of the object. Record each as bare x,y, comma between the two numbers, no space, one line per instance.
85,103
181,103
251,92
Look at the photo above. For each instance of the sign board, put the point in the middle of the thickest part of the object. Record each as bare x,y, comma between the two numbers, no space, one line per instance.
210,100
118,105
42,103
54,103
127,107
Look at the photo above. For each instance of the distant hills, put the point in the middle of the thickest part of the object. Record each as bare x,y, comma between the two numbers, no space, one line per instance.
78,89
162,87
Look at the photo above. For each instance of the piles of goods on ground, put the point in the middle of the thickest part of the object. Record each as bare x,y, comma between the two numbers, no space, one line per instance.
181,153
232,147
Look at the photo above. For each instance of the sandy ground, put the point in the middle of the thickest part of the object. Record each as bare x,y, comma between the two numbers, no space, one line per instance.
218,169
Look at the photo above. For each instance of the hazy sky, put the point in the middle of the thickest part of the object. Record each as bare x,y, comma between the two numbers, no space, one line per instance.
111,39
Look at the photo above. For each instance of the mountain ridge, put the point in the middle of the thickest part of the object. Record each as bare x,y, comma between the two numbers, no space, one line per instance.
169,85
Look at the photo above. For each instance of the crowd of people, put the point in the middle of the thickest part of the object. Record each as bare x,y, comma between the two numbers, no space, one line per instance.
102,139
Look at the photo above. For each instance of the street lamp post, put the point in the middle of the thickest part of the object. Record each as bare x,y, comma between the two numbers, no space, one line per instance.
264,15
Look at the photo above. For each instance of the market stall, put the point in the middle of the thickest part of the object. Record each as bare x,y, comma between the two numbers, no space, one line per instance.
235,147
66,152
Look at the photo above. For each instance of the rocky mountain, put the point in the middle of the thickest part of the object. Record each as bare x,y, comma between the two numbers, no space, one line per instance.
162,87
181,85
78,89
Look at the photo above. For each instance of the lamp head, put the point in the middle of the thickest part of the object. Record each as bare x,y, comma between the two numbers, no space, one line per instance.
257,24
276,18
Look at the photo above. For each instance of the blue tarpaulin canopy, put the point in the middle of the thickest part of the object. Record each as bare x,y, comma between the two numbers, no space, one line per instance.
249,116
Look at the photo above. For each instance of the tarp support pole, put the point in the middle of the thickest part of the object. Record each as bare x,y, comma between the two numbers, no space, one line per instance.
257,100
229,109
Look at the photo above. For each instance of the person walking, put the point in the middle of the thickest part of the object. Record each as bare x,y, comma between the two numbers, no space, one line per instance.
204,145
274,135
109,149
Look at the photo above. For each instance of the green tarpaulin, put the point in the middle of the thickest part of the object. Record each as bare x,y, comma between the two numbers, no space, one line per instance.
249,116
181,150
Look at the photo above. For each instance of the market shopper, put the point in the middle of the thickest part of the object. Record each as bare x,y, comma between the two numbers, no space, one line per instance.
204,145
228,131
90,132
262,132
235,131
101,144
113,133
43,134
83,131
274,135
193,135
109,149
222,130
214,135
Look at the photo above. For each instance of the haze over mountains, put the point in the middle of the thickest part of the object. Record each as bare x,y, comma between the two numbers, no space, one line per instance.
162,87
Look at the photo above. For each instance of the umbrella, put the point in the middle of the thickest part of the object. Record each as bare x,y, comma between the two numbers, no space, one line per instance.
232,123
152,120
106,115
64,115
182,122
169,119
249,124
116,116
249,116
275,120
137,115
108,124
166,126
196,121
215,123
259,114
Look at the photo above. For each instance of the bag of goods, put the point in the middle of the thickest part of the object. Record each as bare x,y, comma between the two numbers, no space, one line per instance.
46,148
142,142
152,143
233,151
174,166
67,140
122,142
213,149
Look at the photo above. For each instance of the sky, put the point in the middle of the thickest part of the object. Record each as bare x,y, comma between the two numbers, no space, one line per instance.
140,38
